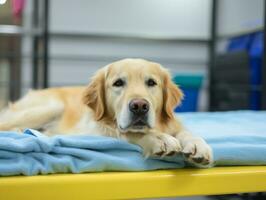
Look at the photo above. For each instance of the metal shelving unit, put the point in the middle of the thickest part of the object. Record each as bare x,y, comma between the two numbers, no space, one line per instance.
11,35
39,35
9,30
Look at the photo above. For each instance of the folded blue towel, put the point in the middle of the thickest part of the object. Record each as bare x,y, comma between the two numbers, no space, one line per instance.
237,138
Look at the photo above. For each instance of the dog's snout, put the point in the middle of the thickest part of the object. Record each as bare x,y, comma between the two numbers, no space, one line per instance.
139,106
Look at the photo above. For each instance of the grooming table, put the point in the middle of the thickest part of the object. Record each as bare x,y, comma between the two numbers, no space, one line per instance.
128,185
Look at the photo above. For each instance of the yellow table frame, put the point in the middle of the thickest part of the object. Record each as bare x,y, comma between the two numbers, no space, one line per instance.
128,185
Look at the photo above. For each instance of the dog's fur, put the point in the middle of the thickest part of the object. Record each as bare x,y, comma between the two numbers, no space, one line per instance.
103,108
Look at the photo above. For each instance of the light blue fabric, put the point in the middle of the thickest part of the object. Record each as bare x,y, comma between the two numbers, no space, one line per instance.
237,138
32,153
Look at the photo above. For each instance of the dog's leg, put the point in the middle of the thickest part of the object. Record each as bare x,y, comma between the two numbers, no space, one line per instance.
195,149
155,144
32,111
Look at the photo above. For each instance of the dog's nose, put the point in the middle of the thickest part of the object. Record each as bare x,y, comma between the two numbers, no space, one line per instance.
139,106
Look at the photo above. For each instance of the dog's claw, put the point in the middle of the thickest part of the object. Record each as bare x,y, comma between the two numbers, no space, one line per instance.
198,152
160,153
161,145
198,159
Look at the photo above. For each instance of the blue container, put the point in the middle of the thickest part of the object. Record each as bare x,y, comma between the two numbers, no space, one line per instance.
253,44
240,43
190,85
256,51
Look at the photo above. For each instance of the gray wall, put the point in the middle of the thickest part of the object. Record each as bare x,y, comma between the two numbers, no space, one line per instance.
239,16
157,18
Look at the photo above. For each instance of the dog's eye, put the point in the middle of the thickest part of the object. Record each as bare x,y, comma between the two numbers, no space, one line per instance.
151,83
119,83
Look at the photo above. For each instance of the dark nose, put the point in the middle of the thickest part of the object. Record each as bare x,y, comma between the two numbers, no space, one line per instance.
139,106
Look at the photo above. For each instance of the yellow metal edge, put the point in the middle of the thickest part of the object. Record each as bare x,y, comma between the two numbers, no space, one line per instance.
125,185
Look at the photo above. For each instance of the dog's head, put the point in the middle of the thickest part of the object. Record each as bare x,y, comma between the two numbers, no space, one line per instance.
134,93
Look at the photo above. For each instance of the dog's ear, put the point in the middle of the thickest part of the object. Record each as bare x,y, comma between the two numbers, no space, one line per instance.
172,97
94,95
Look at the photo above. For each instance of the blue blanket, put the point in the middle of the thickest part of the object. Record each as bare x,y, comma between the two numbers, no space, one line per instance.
237,138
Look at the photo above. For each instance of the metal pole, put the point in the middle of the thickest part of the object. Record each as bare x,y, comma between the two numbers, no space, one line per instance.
15,68
46,45
35,44
212,49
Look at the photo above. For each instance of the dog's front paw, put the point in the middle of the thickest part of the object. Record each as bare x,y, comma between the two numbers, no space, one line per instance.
198,152
161,145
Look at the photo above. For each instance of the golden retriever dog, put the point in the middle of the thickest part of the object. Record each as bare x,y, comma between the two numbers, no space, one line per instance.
131,99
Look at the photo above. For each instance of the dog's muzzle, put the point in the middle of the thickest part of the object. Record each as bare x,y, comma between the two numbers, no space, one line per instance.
139,109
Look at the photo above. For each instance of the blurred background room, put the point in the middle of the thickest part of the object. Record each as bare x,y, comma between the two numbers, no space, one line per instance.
214,49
